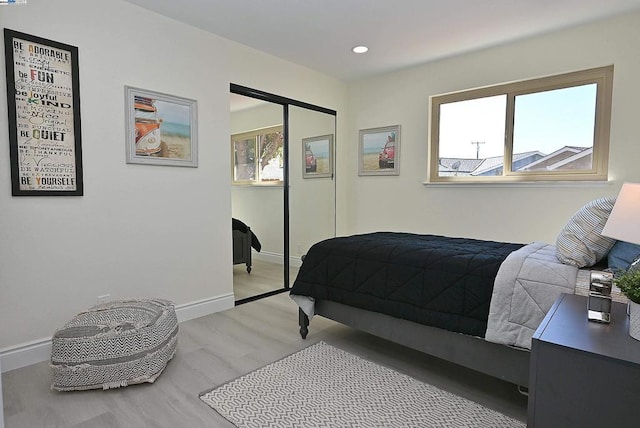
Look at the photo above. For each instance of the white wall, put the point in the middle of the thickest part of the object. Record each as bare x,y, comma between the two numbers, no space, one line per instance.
140,230
514,213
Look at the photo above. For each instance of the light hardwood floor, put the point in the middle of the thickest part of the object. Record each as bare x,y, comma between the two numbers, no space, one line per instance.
217,348
264,277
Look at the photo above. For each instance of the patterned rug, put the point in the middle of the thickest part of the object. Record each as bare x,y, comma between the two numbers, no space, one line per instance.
322,386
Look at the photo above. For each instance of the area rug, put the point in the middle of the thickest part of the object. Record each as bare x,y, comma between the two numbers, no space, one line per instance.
322,386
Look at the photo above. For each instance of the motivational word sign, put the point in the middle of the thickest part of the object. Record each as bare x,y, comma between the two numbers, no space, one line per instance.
44,116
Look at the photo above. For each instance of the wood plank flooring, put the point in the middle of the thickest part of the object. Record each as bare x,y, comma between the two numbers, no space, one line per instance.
220,347
264,277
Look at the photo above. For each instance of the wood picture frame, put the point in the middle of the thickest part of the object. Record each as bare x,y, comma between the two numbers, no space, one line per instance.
161,129
43,98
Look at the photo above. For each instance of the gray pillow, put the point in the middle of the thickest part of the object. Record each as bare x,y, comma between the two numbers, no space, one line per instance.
580,242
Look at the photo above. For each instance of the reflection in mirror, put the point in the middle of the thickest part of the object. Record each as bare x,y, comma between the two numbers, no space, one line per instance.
258,156
311,179
257,198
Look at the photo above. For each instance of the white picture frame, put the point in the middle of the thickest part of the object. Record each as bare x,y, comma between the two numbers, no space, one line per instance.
161,129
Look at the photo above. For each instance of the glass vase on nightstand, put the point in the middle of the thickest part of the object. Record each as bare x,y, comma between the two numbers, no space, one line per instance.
599,300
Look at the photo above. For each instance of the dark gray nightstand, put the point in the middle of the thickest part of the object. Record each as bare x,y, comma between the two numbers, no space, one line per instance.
583,374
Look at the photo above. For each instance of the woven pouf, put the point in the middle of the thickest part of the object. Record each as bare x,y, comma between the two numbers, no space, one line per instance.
114,344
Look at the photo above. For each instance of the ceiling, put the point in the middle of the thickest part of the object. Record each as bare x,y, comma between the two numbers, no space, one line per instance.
319,34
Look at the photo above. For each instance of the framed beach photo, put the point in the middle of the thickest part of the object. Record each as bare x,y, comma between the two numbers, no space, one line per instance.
379,152
317,157
161,129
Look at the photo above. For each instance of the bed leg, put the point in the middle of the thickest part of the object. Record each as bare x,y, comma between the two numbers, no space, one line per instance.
303,321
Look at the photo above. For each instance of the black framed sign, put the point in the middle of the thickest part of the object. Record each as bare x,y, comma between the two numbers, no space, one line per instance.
43,100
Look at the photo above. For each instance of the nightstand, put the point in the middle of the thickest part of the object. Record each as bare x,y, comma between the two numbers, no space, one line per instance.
582,373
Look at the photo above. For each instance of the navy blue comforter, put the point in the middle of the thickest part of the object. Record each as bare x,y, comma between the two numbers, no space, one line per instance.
434,280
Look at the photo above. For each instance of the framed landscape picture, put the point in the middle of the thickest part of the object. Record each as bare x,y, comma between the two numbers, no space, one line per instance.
379,151
317,157
161,129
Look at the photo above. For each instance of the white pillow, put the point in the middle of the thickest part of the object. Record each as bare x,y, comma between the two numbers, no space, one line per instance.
580,242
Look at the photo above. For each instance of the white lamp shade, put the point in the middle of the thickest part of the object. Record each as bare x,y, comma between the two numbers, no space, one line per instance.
624,221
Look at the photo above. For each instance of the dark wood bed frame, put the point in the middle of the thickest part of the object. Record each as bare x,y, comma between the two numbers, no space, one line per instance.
242,248
500,361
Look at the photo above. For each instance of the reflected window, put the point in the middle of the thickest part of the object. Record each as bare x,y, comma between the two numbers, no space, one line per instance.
258,156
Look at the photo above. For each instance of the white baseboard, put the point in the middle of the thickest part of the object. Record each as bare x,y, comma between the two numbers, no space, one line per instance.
276,258
268,257
200,308
295,262
25,354
37,351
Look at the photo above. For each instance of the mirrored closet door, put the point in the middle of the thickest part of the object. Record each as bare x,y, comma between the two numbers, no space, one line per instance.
312,190
257,195
283,187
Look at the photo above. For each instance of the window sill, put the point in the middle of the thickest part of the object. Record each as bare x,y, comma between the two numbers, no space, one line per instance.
530,184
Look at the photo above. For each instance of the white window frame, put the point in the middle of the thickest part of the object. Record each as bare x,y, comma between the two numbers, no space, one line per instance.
602,76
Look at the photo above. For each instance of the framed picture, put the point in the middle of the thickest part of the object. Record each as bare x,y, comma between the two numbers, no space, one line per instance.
257,157
379,152
161,129
43,98
317,156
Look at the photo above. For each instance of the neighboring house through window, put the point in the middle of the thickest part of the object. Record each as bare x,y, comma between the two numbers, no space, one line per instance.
548,129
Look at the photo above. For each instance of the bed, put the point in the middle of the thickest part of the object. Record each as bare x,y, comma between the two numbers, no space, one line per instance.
472,302
243,240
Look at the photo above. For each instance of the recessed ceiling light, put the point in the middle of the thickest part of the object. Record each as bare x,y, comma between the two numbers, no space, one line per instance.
360,49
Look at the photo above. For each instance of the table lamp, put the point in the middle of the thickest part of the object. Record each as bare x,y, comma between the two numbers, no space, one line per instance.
624,221
622,225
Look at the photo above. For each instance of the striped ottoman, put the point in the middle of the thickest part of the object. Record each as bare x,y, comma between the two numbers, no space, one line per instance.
114,344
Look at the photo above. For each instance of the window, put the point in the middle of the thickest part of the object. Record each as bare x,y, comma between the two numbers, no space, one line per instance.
553,128
258,156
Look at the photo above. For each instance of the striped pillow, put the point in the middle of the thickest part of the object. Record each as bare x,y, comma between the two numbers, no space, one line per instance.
580,242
